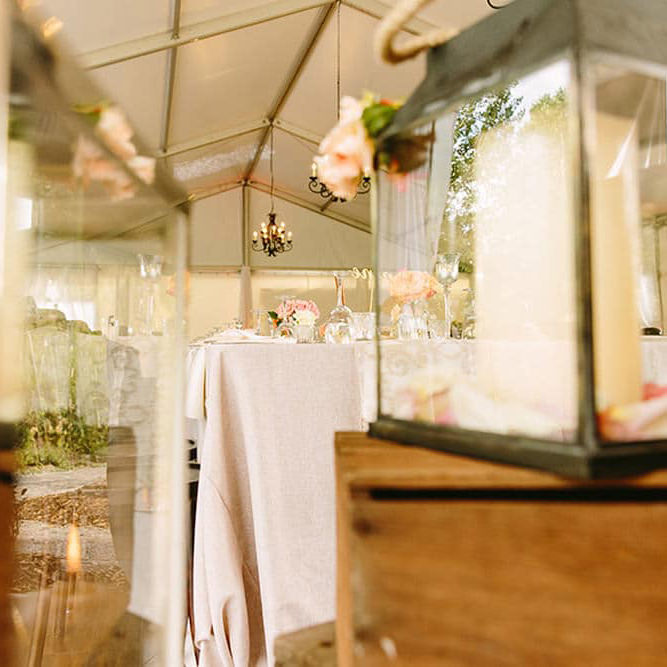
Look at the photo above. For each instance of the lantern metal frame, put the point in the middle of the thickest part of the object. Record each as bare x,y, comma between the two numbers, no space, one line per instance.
525,36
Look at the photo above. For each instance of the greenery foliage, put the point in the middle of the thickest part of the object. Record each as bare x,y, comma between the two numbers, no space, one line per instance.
472,121
60,438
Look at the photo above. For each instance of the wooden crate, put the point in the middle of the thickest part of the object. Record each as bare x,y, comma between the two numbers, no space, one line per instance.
448,561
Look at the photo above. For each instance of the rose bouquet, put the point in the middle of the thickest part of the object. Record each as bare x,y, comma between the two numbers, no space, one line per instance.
349,150
295,311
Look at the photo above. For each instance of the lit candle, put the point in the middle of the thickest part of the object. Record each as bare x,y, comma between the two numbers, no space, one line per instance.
615,224
313,170
254,236
282,225
289,236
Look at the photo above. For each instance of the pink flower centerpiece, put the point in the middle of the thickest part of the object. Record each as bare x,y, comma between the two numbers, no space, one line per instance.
295,311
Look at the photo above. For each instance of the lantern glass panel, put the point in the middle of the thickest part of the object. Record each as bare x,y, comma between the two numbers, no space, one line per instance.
628,174
100,513
476,265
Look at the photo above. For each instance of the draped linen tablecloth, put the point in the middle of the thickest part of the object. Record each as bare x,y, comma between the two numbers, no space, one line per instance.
265,416
264,561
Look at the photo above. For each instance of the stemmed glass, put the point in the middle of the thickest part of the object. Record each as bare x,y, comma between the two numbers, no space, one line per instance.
340,325
150,270
447,273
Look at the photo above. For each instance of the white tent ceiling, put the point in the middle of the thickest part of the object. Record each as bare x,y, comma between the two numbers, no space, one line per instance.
202,80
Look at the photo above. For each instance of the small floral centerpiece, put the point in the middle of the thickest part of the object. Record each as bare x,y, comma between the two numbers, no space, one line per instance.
349,151
295,311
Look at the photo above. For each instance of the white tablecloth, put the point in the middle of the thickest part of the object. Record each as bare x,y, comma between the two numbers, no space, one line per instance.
266,415
265,533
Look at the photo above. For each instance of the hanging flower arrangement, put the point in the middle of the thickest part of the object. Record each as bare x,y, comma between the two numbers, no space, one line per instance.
349,151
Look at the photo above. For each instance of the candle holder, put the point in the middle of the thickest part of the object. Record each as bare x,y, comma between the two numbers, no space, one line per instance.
545,136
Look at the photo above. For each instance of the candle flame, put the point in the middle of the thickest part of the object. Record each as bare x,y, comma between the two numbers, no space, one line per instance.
73,550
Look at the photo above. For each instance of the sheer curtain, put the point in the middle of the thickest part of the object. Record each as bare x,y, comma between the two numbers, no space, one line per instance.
411,207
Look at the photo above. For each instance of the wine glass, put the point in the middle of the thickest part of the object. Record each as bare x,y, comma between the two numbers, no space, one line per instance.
340,325
447,273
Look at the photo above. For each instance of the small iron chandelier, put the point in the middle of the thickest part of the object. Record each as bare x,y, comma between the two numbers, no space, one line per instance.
314,183
272,238
316,186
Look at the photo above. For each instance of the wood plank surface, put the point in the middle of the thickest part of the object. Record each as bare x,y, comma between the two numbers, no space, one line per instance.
509,583
7,467
530,570
367,461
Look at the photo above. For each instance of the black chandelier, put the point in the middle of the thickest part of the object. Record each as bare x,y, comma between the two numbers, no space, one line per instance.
316,186
314,183
272,238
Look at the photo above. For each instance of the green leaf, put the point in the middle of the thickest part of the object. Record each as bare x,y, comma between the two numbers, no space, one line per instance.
377,117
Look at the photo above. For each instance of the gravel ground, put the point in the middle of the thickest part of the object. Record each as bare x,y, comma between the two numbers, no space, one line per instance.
87,506
47,503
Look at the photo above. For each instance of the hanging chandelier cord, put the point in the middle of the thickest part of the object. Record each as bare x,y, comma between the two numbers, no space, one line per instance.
271,166
338,61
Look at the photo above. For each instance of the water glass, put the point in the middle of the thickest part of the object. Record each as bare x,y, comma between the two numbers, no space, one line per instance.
339,333
305,333
364,326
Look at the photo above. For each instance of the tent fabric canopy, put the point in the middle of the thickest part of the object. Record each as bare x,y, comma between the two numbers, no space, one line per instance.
203,80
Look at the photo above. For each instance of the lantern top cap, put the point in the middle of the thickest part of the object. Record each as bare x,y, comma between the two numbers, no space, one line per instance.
523,35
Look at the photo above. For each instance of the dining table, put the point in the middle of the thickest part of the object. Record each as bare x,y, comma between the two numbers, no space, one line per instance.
264,414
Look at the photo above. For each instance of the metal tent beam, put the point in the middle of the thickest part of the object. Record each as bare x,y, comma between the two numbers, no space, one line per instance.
171,74
214,138
379,10
298,132
314,208
302,59
245,18
162,41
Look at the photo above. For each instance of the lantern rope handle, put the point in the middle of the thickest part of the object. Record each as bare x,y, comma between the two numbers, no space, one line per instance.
392,24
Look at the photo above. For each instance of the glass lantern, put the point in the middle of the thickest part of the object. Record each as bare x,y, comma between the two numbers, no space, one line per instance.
92,388
525,230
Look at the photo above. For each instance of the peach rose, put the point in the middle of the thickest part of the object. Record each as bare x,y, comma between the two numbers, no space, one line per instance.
413,286
115,131
143,167
347,152
90,164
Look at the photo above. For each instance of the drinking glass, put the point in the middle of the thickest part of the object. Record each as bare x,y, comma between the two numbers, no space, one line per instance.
364,326
447,273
